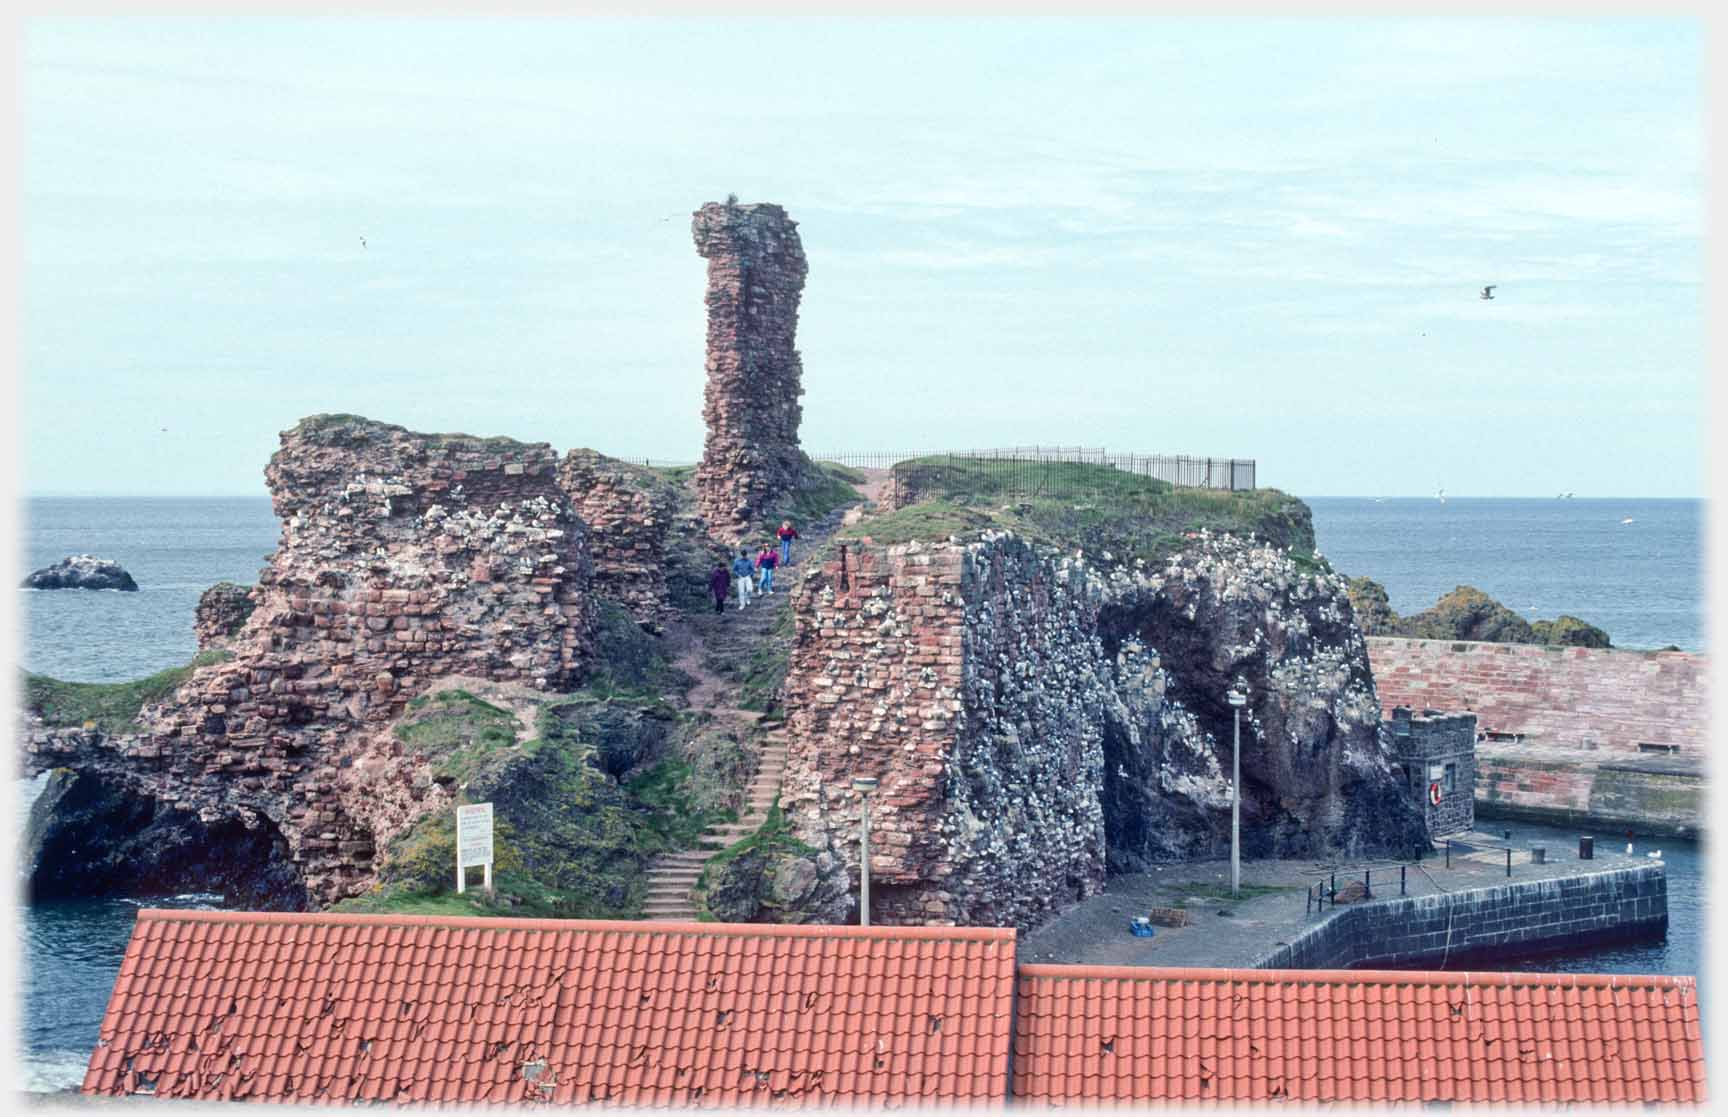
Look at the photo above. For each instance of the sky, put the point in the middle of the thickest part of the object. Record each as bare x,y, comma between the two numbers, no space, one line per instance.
1249,238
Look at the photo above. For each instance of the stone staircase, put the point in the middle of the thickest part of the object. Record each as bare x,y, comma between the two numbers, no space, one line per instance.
725,644
673,875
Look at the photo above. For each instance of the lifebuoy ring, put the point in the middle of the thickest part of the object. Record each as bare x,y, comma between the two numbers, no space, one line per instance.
1434,794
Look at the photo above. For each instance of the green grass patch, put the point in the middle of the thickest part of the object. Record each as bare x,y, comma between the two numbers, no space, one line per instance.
457,731
825,488
1095,507
774,835
768,665
675,822
110,707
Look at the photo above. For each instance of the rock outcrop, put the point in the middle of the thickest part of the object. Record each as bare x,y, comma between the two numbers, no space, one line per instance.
222,612
756,272
1035,722
81,572
404,557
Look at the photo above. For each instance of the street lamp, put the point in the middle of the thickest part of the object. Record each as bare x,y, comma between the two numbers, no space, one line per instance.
864,785
1238,698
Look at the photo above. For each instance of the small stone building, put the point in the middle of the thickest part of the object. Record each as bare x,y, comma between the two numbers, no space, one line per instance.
1436,754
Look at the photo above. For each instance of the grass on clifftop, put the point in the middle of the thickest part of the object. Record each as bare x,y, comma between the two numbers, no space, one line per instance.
111,707
1074,504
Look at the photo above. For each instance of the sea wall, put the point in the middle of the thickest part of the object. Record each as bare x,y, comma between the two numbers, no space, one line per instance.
1600,738
1604,698
1590,790
1524,917
1034,721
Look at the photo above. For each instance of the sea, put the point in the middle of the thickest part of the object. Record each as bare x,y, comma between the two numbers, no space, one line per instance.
1632,567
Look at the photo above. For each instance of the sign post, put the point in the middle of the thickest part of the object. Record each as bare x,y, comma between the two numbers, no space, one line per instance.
473,843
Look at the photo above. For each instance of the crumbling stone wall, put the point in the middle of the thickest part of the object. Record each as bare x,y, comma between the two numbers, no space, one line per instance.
222,611
403,558
756,272
1034,721
629,512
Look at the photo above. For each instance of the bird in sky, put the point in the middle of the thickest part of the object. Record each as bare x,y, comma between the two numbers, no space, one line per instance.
362,242
1488,291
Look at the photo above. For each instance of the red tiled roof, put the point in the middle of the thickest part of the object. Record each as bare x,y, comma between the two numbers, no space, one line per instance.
229,1005
1136,1034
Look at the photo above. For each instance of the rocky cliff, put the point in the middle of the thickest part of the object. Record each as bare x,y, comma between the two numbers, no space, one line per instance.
1035,722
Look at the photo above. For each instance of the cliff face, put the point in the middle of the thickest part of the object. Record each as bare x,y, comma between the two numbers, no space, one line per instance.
1034,722
403,558
756,272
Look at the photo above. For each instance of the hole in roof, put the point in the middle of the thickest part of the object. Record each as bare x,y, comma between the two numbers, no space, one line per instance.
534,1071
935,1023
1108,1046
721,1020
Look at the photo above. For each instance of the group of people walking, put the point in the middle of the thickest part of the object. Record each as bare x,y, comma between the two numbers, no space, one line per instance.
752,576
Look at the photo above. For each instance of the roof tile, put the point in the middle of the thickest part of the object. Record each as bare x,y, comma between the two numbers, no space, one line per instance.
361,1008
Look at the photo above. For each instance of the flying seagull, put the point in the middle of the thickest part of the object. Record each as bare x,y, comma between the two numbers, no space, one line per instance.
362,242
1488,291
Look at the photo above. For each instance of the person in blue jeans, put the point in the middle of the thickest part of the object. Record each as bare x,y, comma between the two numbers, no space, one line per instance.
766,562
787,534
742,572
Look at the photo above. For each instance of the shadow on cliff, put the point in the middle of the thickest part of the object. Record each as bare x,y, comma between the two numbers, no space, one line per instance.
90,837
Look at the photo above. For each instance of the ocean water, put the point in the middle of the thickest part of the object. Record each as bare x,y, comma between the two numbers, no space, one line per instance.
1640,581
174,550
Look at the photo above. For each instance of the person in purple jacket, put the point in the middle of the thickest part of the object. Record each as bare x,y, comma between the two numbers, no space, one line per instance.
719,581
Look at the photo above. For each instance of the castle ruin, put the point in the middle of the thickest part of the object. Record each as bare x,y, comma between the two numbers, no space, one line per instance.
756,274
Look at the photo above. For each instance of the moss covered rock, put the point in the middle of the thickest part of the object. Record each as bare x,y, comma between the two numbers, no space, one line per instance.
1570,631
1469,614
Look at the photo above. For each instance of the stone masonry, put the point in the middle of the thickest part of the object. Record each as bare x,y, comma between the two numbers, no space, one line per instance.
403,558
1034,721
222,611
1610,699
1425,746
756,272
629,512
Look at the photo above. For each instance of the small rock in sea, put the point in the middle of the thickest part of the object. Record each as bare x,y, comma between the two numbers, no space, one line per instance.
81,572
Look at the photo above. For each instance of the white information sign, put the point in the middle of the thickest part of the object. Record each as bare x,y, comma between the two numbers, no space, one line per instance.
1435,772
473,841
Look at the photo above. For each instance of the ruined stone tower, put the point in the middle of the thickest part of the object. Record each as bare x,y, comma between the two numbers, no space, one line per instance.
755,275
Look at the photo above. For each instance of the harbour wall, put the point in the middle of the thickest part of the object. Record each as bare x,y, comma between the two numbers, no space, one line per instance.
1524,917
1574,787
1601,738
1607,699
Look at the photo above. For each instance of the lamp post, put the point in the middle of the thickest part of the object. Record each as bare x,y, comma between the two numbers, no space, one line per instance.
864,785
1238,698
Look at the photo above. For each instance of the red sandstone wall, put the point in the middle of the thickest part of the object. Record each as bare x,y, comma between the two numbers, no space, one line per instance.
874,690
756,272
1571,697
628,511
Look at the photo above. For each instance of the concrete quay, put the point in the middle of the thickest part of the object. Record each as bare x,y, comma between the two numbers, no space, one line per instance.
1444,914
